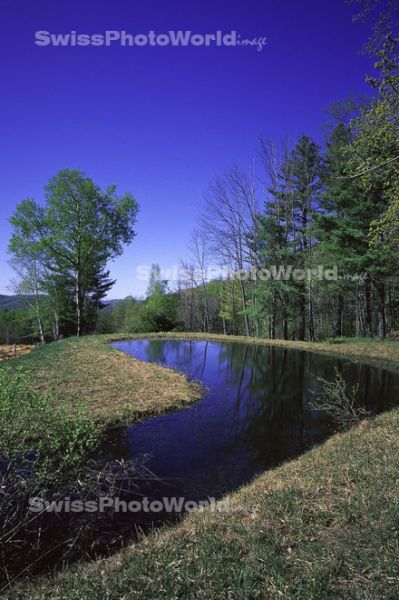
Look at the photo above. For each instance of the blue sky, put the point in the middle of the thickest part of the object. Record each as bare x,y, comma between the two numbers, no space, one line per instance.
161,122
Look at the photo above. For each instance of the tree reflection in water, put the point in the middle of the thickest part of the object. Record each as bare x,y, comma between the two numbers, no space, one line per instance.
255,412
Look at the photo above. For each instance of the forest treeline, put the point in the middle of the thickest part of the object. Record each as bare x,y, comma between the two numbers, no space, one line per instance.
306,241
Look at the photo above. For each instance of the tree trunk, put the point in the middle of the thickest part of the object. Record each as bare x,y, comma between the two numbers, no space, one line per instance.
206,308
368,315
302,314
244,304
310,313
364,318
37,307
39,323
285,327
78,309
339,327
382,327
391,311
273,326
56,327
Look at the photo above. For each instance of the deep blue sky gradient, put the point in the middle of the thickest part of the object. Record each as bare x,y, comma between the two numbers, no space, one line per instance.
162,122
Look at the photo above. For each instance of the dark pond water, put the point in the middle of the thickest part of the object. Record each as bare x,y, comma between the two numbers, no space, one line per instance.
254,414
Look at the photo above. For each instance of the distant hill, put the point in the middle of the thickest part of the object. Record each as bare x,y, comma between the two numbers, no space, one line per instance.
13,302
111,304
17,301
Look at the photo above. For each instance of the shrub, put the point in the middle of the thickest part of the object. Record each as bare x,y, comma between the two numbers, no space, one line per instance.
43,451
339,401
337,340
32,429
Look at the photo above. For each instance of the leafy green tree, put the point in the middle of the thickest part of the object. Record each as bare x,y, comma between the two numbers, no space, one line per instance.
160,310
18,326
80,228
123,314
229,305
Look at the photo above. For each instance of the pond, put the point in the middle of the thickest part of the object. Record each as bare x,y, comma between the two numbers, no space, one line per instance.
254,413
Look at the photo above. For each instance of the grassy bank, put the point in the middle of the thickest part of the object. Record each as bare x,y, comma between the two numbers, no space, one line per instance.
108,385
322,526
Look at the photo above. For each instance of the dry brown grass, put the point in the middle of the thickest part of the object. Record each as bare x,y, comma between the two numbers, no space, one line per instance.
8,351
109,385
